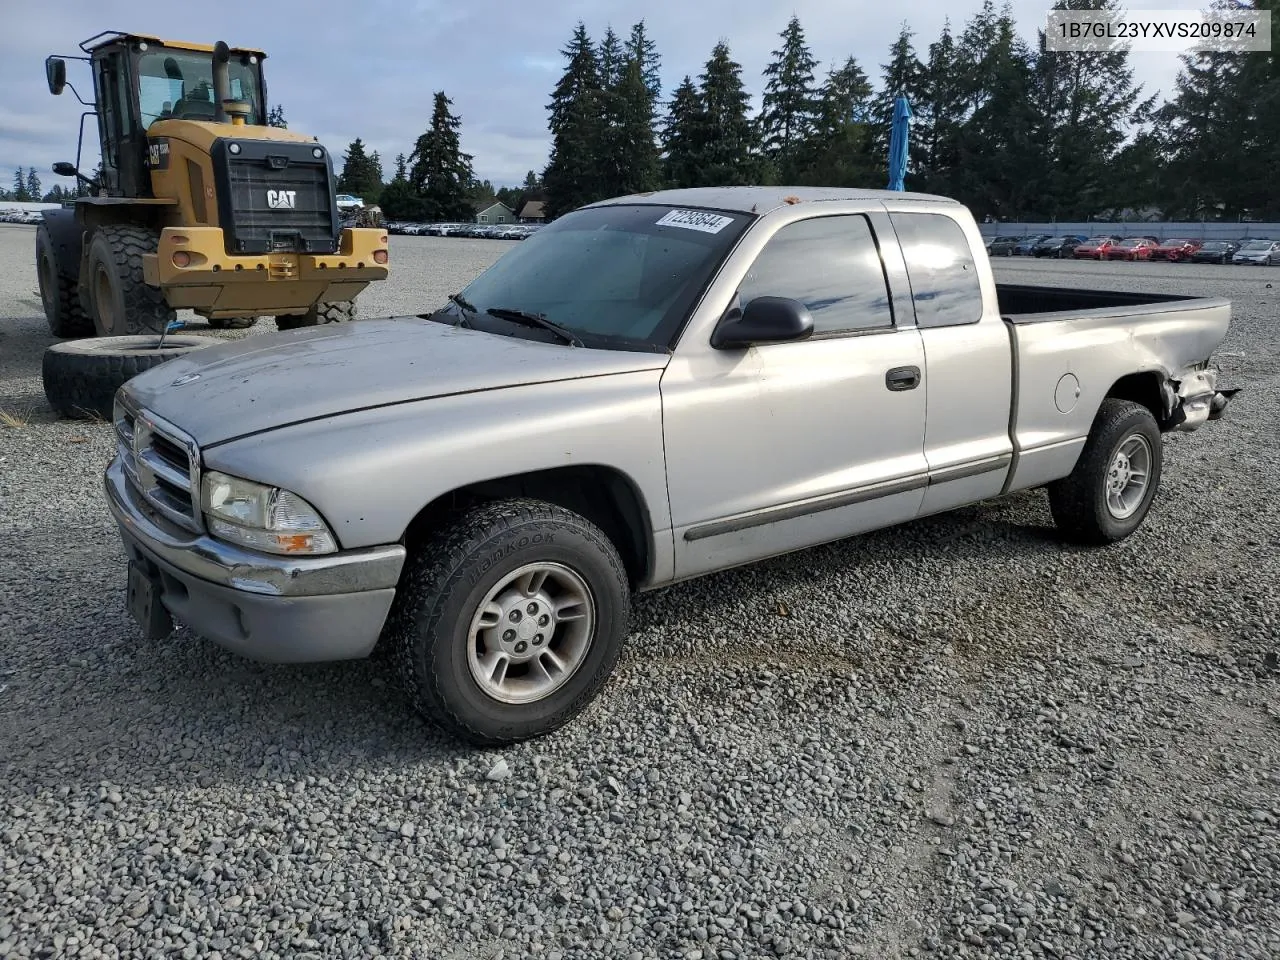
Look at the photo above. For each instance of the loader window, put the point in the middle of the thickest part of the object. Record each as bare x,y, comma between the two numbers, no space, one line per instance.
178,84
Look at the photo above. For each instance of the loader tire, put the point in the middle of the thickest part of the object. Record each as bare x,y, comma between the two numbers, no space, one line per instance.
81,377
121,303
339,311
62,310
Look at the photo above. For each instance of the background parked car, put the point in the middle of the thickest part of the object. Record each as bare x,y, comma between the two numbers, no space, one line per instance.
1057,247
1175,249
1131,248
1003,246
1095,248
1264,252
1024,246
1215,251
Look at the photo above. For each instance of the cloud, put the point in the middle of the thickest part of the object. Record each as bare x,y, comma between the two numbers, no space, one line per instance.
371,70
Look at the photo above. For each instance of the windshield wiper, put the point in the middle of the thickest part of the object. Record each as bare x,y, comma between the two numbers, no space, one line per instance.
530,319
466,305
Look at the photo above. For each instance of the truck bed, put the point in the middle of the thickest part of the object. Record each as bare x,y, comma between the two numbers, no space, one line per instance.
1070,347
1024,303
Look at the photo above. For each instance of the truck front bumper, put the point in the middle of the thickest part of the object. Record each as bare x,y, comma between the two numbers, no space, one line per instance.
216,284
266,608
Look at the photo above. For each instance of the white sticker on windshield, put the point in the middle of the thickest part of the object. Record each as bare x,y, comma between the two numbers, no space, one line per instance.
695,220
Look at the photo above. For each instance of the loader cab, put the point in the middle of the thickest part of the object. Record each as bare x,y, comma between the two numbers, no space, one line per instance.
139,80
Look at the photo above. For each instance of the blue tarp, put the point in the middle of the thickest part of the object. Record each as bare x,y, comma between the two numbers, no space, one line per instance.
898,144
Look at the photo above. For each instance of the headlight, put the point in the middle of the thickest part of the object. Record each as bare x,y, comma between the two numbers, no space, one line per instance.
262,517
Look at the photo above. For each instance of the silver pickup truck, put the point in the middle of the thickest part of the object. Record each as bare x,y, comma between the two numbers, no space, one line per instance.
650,389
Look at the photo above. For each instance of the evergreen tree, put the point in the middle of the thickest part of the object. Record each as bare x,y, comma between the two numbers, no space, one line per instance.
1084,99
33,184
1000,143
275,117
399,201
19,191
573,173
531,182
726,148
611,60
628,155
789,105
837,152
440,173
634,153
361,174
939,116
642,48
680,161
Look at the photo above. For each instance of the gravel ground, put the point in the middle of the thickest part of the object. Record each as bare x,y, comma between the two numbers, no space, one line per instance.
955,738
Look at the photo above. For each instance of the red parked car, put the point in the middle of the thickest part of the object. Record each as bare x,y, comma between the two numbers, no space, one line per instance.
1132,248
1175,250
1095,248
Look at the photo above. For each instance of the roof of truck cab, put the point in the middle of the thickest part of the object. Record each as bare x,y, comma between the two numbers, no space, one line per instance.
761,200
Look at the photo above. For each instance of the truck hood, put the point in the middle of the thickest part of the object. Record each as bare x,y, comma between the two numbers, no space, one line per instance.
273,380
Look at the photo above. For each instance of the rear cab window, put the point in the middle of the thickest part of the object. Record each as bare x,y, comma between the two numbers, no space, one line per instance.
941,269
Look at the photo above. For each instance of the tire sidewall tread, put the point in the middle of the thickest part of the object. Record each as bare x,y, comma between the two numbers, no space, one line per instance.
81,377
443,583
1078,501
137,307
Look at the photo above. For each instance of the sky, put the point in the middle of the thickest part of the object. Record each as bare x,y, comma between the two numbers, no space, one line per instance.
370,70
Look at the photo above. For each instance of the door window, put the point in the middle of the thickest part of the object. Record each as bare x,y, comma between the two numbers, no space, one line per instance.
830,264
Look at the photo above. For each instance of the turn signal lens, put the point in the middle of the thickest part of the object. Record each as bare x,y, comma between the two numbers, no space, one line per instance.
181,258
379,256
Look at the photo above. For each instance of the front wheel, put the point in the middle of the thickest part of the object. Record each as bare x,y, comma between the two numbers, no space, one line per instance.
508,622
123,304
1108,494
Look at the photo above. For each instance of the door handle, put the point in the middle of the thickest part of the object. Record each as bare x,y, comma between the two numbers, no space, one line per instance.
902,378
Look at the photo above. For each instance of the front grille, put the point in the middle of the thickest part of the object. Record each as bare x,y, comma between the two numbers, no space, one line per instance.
275,197
163,466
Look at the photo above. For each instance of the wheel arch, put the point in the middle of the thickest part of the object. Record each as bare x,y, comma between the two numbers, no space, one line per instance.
602,494
1150,389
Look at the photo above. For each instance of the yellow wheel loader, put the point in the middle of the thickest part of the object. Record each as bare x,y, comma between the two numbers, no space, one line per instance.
198,203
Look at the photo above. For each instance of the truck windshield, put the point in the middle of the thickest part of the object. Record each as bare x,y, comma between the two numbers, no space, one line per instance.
178,84
613,275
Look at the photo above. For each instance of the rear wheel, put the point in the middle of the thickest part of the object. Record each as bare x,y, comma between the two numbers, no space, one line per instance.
62,310
122,303
337,312
1110,491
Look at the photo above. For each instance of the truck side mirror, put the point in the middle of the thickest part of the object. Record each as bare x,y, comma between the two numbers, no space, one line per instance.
64,169
763,320
55,69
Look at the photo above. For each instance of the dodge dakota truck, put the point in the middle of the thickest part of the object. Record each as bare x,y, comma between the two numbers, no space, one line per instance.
652,388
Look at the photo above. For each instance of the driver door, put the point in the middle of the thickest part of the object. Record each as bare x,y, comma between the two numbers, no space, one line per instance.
782,446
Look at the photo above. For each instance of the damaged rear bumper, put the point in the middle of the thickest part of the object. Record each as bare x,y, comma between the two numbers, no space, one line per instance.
1194,399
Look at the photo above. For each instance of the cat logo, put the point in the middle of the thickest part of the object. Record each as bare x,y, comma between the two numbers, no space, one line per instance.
158,155
282,199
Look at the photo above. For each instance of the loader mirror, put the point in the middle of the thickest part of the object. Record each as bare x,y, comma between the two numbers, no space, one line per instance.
64,169
55,69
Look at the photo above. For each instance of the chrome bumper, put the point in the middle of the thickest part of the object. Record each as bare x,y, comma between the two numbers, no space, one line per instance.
280,609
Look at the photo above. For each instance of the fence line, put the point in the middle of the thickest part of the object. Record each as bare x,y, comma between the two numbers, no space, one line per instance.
1194,230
